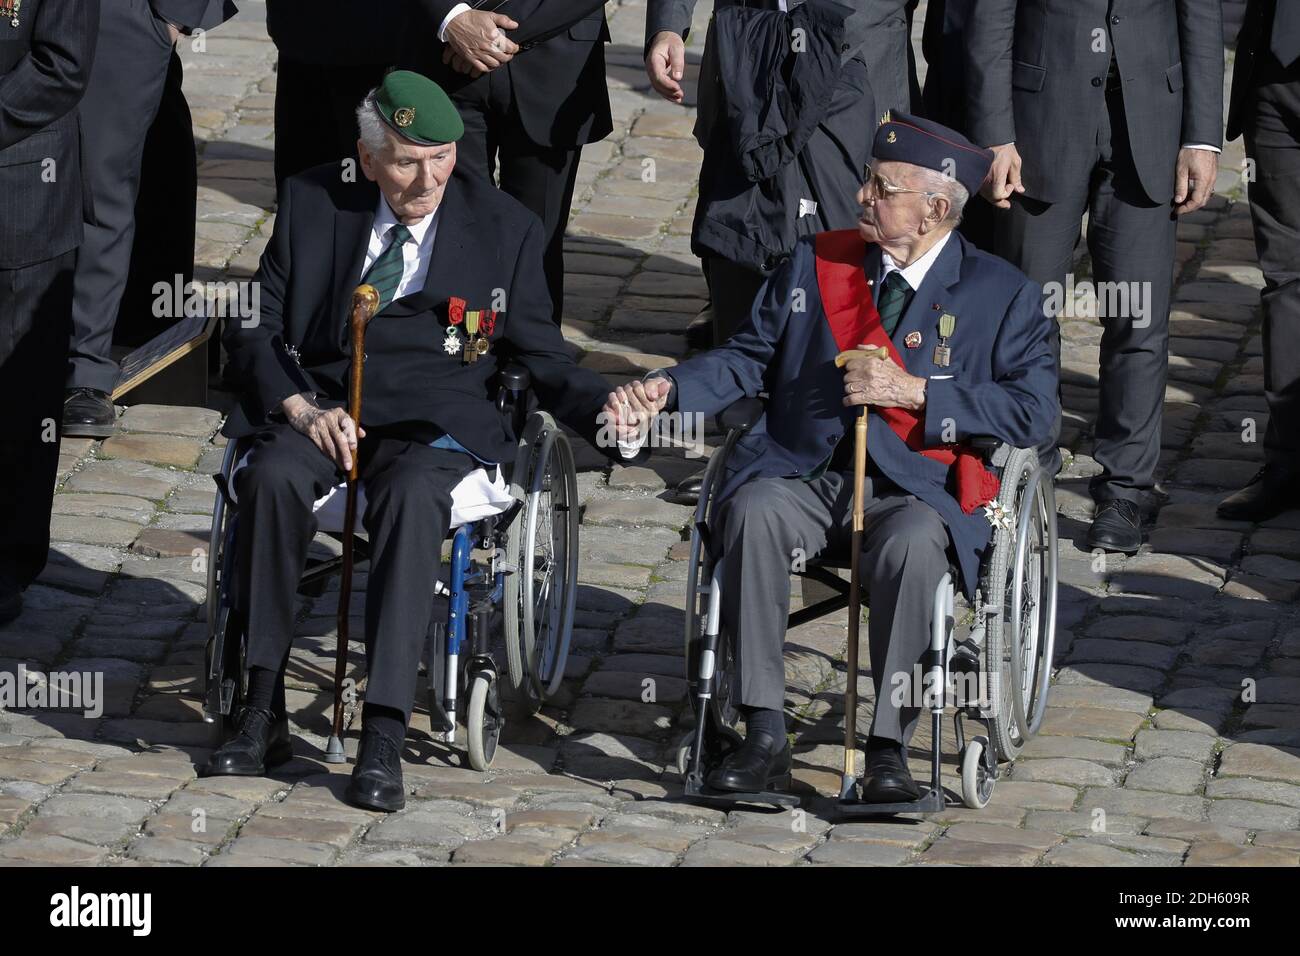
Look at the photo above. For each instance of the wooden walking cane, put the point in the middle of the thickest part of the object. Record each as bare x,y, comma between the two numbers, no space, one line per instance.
365,302
855,578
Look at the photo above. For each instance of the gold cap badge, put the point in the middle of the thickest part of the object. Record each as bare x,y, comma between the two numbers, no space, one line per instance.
892,137
404,117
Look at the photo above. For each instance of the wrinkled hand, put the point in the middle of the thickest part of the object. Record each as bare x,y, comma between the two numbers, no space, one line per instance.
879,381
331,429
1004,176
632,407
475,37
665,64
1194,178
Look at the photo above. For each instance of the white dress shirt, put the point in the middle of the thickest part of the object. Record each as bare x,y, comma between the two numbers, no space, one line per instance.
416,253
916,272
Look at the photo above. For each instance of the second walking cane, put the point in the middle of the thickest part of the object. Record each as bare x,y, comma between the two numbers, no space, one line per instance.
365,302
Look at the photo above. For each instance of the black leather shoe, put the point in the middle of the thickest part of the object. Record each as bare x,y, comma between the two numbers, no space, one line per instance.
699,333
11,601
887,779
762,762
688,489
1269,493
376,782
88,413
1116,526
261,742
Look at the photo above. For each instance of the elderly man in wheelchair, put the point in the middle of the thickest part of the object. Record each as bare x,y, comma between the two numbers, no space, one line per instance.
457,265
960,349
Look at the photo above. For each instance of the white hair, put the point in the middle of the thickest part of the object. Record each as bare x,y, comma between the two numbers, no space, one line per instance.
956,194
371,128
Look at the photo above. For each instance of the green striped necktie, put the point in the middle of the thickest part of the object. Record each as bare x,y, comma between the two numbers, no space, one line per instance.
386,272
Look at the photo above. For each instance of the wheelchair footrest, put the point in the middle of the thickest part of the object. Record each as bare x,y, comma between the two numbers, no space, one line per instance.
773,798
930,801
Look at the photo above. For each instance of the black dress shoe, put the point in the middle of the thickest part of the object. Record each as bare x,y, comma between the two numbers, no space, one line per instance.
688,489
376,782
887,779
11,601
1117,526
1269,493
88,413
699,333
261,742
762,762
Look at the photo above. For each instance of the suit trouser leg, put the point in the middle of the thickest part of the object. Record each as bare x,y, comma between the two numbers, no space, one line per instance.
34,325
408,514
732,290
1039,239
1273,142
905,553
284,475
763,524
315,113
121,100
1131,240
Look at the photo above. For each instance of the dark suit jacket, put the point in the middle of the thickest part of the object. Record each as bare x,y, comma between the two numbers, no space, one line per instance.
327,33
1036,76
488,248
44,66
1255,62
193,15
875,30
558,84
943,43
1002,378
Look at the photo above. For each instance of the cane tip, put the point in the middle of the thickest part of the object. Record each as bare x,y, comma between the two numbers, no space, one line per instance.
334,751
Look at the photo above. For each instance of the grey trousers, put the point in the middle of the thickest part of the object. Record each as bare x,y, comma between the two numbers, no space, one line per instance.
770,522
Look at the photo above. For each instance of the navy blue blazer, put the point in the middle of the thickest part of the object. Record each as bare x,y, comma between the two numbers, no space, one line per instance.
1001,381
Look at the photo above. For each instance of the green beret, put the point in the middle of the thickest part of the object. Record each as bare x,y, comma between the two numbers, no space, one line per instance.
417,109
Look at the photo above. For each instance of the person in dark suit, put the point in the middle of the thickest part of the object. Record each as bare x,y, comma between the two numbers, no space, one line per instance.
529,106
423,239
126,89
1115,110
1264,106
46,51
328,61
893,282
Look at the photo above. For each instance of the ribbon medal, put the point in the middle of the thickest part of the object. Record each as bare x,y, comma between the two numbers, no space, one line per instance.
942,353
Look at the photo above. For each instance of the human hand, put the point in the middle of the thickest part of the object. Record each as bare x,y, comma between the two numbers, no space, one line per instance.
632,407
1004,176
870,380
1194,178
476,38
330,429
665,64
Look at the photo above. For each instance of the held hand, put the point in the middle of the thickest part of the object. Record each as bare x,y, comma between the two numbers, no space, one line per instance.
878,381
632,407
665,64
173,31
1194,178
1004,176
331,429
476,37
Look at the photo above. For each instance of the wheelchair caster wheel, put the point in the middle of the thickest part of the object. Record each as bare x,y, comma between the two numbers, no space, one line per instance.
715,751
977,779
483,720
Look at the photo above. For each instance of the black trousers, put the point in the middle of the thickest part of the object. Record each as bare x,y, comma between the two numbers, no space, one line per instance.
540,177
408,513
1273,141
120,104
35,315
1131,239
315,113
732,289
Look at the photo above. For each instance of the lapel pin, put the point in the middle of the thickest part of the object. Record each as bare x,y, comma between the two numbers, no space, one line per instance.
913,340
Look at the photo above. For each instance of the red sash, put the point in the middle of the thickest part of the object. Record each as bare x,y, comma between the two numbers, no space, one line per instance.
853,320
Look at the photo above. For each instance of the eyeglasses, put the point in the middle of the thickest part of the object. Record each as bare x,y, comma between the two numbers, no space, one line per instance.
884,189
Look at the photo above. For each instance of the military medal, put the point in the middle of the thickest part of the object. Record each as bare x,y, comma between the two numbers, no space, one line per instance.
11,10
472,351
451,345
942,353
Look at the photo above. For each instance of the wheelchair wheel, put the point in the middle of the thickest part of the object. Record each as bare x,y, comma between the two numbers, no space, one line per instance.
483,720
699,578
224,656
717,747
1020,584
976,780
542,545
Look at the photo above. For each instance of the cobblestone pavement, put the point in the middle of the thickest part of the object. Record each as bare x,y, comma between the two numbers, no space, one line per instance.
1173,735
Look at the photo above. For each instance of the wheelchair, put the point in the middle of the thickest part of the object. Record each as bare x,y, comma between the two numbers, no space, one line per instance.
511,578
1007,653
